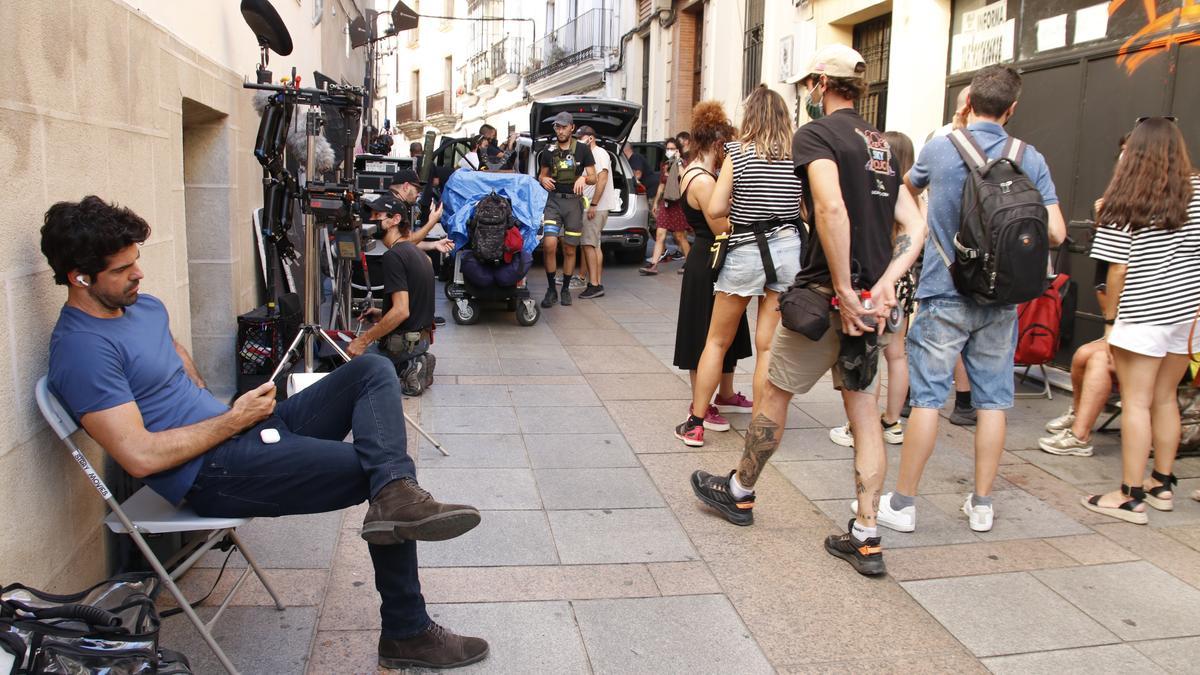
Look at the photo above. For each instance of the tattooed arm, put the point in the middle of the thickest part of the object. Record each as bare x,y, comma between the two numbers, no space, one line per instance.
907,247
761,441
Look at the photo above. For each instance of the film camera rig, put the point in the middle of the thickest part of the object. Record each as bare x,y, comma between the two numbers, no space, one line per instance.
326,193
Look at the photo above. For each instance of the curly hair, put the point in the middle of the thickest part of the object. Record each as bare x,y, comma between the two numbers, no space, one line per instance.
83,235
767,124
1151,186
710,126
849,88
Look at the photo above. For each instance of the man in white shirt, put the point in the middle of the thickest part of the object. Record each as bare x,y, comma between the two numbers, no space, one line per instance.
602,198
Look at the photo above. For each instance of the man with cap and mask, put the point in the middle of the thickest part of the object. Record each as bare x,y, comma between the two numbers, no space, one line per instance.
403,326
406,187
564,168
852,188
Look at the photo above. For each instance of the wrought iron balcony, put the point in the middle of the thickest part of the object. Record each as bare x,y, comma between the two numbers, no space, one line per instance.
586,38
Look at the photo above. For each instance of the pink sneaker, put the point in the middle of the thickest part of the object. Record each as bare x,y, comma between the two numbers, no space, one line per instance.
713,420
734,404
692,436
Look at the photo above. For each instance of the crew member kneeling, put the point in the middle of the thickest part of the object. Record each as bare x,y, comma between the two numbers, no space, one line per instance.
405,323
124,378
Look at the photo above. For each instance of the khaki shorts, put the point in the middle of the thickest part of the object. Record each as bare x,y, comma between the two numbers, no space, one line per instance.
592,227
798,363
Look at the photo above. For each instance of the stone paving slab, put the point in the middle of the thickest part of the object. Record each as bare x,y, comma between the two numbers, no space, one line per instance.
465,365
615,360
502,538
290,542
1187,534
547,420
639,387
952,662
552,395
296,588
1022,614
242,633
594,488
1083,661
618,536
1092,549
538,366
523,637
1135,600
1018,515
1162,551
809,444
932,562
649,426
469,420
1174,656
448,395
505,451
483,488
595,337
695,634
566,451
549,582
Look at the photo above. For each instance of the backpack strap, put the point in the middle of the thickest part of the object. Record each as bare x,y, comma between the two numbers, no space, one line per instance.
1014,150
968,149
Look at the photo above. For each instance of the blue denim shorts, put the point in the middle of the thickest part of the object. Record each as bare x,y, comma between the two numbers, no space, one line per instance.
947,326
742,274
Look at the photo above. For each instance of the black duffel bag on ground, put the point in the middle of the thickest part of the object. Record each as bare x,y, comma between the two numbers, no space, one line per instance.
111,627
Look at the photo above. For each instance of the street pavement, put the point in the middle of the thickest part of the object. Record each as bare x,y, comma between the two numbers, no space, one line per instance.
594,556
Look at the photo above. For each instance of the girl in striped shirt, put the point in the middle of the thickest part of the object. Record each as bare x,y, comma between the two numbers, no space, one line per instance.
1150,235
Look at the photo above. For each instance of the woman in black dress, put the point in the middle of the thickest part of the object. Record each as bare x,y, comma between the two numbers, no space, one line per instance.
710,129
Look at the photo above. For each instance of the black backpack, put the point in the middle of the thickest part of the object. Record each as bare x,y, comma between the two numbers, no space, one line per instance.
489,225
1003,240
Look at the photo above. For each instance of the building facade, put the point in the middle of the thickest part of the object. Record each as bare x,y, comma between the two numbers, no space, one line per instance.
140,103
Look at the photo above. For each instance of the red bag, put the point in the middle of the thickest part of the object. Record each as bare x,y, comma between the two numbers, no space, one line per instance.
1039,325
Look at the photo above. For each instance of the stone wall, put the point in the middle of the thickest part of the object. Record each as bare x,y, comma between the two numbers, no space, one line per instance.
96,100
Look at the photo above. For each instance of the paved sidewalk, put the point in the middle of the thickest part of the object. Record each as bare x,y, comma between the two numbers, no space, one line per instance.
594,556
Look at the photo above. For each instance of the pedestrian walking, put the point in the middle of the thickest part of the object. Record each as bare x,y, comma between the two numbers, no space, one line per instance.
897,361
710,129
1150,236
851,186
947,322
759,194
668,212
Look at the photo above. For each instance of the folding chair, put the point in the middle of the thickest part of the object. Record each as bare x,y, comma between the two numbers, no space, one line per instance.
1046,391
147,513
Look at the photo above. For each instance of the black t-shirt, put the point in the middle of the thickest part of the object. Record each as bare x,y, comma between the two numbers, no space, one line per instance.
576,162
870,183
407,268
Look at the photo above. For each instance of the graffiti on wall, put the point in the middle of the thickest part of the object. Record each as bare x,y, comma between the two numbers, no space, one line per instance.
1183,24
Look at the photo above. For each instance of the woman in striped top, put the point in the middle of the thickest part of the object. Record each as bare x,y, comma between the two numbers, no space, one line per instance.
758,192
1151,238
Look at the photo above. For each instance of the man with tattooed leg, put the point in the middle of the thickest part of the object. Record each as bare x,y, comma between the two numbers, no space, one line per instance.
852,189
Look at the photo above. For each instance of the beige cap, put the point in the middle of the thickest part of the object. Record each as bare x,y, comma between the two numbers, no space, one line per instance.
837,60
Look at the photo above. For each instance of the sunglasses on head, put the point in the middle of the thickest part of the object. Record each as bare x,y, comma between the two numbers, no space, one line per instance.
1170,118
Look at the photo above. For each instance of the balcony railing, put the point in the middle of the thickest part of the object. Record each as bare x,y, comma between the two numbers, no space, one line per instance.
502,58
406,112
476,71
586,38
437,104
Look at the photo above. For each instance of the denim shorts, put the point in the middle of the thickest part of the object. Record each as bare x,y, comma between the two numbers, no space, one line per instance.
742,274
947,326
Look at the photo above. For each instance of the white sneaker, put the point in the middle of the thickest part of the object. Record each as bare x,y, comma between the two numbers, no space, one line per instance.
904,520
978,517
1065,442
842,435
894,434
1061,422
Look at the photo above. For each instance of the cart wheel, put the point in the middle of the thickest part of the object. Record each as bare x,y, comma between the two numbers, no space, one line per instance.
446,291
528,312
465,312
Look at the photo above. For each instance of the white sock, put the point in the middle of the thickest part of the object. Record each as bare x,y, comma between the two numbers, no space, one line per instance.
863,533
736,489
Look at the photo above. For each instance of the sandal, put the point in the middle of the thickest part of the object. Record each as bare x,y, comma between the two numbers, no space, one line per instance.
648,270
1126,510
1154,496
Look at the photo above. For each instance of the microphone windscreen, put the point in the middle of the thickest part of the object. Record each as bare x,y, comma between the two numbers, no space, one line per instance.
259,101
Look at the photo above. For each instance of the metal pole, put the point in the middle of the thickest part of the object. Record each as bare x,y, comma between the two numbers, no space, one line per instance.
312,244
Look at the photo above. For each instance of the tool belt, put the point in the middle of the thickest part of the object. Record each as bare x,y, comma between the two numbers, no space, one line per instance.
407,343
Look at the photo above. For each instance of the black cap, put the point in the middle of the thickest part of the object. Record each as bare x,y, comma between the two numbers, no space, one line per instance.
584,130
405,176
387,204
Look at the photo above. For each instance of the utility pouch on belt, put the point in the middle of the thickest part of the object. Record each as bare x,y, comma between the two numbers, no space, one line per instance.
402,343
805,309
717,253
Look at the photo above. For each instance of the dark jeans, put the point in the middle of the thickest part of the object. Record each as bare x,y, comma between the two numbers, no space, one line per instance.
503,275
312,470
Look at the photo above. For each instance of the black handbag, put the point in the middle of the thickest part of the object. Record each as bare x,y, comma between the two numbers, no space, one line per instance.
716,255
111,627
805,309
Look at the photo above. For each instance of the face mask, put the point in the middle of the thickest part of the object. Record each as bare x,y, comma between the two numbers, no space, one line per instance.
376,226
672,154
813,107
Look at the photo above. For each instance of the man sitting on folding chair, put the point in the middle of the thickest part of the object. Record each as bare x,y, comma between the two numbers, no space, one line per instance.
136,391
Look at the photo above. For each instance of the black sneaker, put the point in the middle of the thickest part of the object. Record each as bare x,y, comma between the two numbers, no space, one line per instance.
566,297
439,320
551,298
592,292
714,491
865,557
676,254
963,417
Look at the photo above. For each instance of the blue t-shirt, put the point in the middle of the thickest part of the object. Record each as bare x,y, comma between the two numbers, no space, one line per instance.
97,364
942,169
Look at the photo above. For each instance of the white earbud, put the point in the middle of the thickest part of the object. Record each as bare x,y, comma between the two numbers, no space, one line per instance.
79,278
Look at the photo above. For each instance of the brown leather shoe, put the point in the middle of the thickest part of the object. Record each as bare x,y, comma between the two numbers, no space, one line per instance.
434,648
403,511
